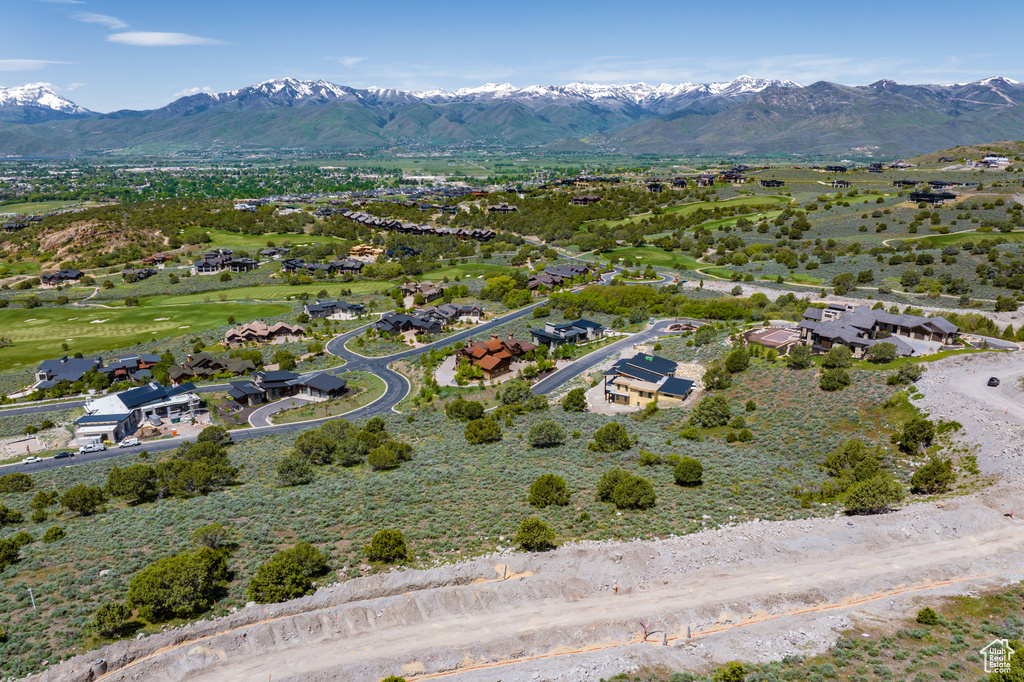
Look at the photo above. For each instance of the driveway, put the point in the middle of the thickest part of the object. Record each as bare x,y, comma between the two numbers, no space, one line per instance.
262,414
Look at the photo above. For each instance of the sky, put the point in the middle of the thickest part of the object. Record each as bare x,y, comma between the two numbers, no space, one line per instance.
107,55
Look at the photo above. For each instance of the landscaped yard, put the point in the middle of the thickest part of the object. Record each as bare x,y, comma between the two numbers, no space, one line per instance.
467,270
38,333
363,389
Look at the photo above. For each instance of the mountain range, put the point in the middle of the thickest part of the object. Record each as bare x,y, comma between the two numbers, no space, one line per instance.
744,116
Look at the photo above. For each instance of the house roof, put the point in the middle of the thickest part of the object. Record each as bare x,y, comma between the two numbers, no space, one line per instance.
322,381
677,387
244,388
98,419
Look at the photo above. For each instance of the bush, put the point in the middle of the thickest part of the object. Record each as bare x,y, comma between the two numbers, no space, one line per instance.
464,410
633,492
927,616
611,437
178,586
53,534
214,434
834,379
575,400
688,472
136,482
799,357
874,495
215,536
837,357
534,535
514,392
711,411
294,470
481,431
17,482
549,489
934,477
288,574
83,499
649,459
316,446
881,353
738,360
9,552
750,406
546,434
716,377
737,422
111,619
731,672
916,433
387,546
393,678
22,538
744,436
8,516
690,433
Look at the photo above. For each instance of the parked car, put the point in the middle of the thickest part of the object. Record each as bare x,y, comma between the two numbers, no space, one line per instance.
92,447
993,381
128,442
64,453
31,460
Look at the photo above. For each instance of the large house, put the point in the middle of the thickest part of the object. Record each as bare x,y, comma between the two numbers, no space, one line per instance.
557,276
394,225
494,356
222,259
202,365
429,290
269,386
579,331
117,415
335,310
642,379
260,332
418,321
55,279
860,327
127,367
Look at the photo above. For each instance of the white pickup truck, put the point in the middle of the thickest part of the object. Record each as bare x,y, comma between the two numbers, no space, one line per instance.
128,442
92,447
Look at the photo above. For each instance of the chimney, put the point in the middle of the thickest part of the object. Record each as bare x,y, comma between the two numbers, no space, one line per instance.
510,336
494,337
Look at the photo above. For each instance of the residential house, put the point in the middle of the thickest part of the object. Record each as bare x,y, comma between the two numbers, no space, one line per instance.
494,356
932,197
585,200
835,169
137,275
132,367
503,207
644,378
579,331
429,290
557,276
319,386
260,332
117,415
275,384
335,310
55,279
213,262
655,187
419,321
772,183
840,184
860,327
365,252
275,252
50,372
203,365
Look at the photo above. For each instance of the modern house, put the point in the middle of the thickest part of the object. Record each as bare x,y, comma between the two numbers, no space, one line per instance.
772,183
213,262
335,310
585,200
579,331
51,372
932,197
502,208
131,367
429,290
420,321
117,415
270,386
55,279
557,276
860,327
202,365
494,356
642,379
259,332
137,274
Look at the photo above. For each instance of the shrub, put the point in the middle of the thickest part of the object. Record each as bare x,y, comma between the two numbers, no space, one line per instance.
750,406
136,482
549,489
9,552
178,586
737,422
834,379
799,357
83,499
744,436
214,434
387,546
316,446
8,516
534,535
382,458
464,410
649,459
690,433
611,437
294,470
731,672
111,619
738,360
288,574
483,431
934,477
881,352
609,480
575,400
837,357
730,437
688,472
874,495
215,536
393,678
716,377
711,411
53,534
633,492
546,434
22,538
514,392
916,433
17,482
927,616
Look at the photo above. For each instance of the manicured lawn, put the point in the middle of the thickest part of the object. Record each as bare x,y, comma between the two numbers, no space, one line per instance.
29,267
467,270
276,292
30,207
237,240
652,255
39,333
936,241
369,387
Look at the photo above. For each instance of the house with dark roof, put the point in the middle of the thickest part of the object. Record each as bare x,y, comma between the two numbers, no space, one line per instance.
125,411
859,328
578,331
203,366
50,372
558,276
644,378
503,207
335,310
772,183
932,197
132,367
420,321
246,393
137,274
319,386
55,279
585,200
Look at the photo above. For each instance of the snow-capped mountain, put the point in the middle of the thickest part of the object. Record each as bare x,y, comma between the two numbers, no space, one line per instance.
36,102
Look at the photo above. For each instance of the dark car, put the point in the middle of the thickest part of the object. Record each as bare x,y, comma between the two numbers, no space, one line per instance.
64,453
993,381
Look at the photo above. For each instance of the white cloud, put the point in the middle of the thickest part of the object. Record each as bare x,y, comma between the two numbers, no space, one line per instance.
26,64
63,2
159,39
194,91
104,20
73,86
350,61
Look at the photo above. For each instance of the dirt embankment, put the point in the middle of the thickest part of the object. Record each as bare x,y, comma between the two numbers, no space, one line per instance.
756,591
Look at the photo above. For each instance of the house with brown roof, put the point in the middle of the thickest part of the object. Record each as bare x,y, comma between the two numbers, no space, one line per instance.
203,365
495,356
259,332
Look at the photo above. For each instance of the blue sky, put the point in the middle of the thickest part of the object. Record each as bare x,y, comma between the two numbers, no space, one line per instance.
132,54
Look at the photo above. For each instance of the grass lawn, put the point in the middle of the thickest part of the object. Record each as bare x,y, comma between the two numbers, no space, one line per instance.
801,278
27,267
275,292
39,333
467,270
936,241
364,388
687,209
30,207
652,255
237,240
867,364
